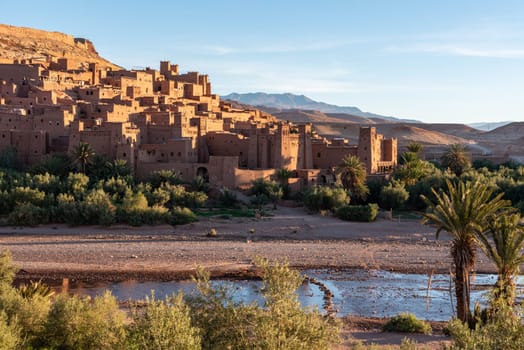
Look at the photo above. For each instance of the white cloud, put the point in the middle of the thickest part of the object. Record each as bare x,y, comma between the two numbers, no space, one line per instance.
459,50
273,48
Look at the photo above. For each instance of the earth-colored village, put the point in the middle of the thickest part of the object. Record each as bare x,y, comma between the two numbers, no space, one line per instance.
165,119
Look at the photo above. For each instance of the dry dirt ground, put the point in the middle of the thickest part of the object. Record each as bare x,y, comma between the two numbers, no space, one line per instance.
166,252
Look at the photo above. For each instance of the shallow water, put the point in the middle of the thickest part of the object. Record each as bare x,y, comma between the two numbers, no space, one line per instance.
370,293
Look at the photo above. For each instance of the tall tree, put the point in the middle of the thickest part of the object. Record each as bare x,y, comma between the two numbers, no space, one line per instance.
456,158
463,212
83,155
503,244
351,173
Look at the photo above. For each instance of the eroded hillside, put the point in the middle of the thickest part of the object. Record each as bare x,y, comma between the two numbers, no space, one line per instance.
29,43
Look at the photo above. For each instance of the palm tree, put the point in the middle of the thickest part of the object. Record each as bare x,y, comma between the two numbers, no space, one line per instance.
283,175
463,212
117,168
83,155
351,173
456,159
502,244
415,147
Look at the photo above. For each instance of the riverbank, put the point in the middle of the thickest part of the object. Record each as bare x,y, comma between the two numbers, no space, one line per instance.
169,253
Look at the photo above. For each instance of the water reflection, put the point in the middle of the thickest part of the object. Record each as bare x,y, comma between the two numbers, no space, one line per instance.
372,293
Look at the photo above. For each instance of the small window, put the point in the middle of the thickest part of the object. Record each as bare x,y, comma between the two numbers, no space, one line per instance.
179,154
172,154
124,154
36,136
318,155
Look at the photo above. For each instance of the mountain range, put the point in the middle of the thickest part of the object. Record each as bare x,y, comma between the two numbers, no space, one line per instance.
287,101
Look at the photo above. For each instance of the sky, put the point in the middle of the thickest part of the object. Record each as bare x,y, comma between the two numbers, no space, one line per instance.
435,61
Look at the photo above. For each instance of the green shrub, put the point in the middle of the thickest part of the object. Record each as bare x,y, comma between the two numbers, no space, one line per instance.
319,198
393,196
227,198
21,195
157,178
116,188
183,216
67,210
97,208
76,184
27,313
82,324
407,323
502,330
148,216
27,214
224,323
283,323
180,197
365,213
9,334
163,325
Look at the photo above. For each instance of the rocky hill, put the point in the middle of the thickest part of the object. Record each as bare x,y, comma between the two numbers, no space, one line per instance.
25,43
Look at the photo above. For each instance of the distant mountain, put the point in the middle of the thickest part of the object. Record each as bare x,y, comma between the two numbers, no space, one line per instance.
488,126
300,102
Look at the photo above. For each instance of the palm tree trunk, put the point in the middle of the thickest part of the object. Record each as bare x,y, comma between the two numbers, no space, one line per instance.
462,293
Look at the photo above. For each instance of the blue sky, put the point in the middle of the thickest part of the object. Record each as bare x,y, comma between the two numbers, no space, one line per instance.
436,61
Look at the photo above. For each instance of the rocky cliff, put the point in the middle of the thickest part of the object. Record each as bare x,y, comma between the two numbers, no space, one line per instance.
25,43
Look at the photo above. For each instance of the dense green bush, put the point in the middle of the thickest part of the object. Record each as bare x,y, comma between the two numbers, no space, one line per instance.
22,195
97,208
393,196
85,324
9,334
319,198
227,198
182,216
162,325
265,191
503,330
76,184
365,213
407,323
27,214
159,177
